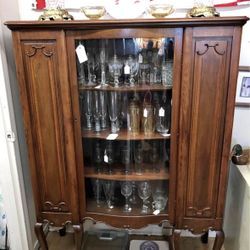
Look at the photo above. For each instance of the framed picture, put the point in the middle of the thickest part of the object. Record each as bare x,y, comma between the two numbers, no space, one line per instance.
243,87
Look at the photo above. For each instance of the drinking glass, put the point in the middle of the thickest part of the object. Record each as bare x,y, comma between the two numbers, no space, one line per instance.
159,200
144,192
138,158
98,156
115,69
133,198
114,111
154,156
97,112
92,65
131,68
125,157
109,156
96,186
126,191
80,73
88,105
103,57
103,109
108,188
167,73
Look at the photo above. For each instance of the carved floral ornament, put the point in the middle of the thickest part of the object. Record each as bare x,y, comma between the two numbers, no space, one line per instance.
33,49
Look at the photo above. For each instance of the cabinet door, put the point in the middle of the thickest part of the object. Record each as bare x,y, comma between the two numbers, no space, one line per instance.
123,83
205,125
42,72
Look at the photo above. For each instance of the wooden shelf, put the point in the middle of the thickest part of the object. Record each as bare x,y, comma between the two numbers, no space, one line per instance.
123,134
118,175
138,88
118,210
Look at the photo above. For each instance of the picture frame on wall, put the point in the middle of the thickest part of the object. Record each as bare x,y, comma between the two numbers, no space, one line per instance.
243,87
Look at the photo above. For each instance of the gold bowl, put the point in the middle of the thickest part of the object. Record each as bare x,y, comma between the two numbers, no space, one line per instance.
93,12
160,10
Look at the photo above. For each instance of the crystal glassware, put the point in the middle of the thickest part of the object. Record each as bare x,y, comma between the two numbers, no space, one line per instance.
154,156
131,68
88,106
159,200
80,73
97,112
109,156
91,69
93,12
148,115
144,192
96,186
115,69
133,198
134,116
167,73
126,191
114,111
103,63
138,158
103,109
125,157
98,156
108,188
162,121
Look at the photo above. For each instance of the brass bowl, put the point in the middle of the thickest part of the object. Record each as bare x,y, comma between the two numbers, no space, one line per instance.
93,12
160,10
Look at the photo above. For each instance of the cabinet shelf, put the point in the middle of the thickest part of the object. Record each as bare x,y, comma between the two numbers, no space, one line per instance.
119,176
123,134
138,88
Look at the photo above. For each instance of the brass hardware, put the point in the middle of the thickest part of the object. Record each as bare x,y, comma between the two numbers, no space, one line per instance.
203,11
55,14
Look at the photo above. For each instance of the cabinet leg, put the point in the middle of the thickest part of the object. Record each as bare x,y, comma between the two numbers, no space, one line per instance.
41,236
219,240
177,236
78,236
204,238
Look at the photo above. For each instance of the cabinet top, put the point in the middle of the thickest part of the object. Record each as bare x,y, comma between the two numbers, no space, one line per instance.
127,23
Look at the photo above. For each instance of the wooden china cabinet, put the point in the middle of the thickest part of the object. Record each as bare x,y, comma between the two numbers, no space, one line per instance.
129,121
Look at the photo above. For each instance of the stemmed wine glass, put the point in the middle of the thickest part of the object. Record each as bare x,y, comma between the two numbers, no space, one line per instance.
97,112
91,69
114,111
144,192
80,73
103,109
131,67
88,109
108,188
96,185
133,198
126,191
115,69
109,156
159,200
154,156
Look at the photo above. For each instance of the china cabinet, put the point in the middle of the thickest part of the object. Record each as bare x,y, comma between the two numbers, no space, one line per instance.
129,121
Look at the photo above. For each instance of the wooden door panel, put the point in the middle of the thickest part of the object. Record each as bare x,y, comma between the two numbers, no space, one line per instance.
46,116
207,123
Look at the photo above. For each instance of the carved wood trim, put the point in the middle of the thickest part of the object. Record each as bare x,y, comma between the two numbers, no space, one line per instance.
60,207
194,211
39,47
216,46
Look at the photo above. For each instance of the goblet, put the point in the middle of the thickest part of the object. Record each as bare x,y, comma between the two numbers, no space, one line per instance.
96,185
91,69
114,111
133,198
108,188
126,191
144,192
115,69
131,67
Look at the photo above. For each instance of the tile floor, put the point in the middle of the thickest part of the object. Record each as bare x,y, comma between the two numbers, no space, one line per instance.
67,242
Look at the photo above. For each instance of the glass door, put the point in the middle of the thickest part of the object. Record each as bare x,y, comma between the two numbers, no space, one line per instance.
125,99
